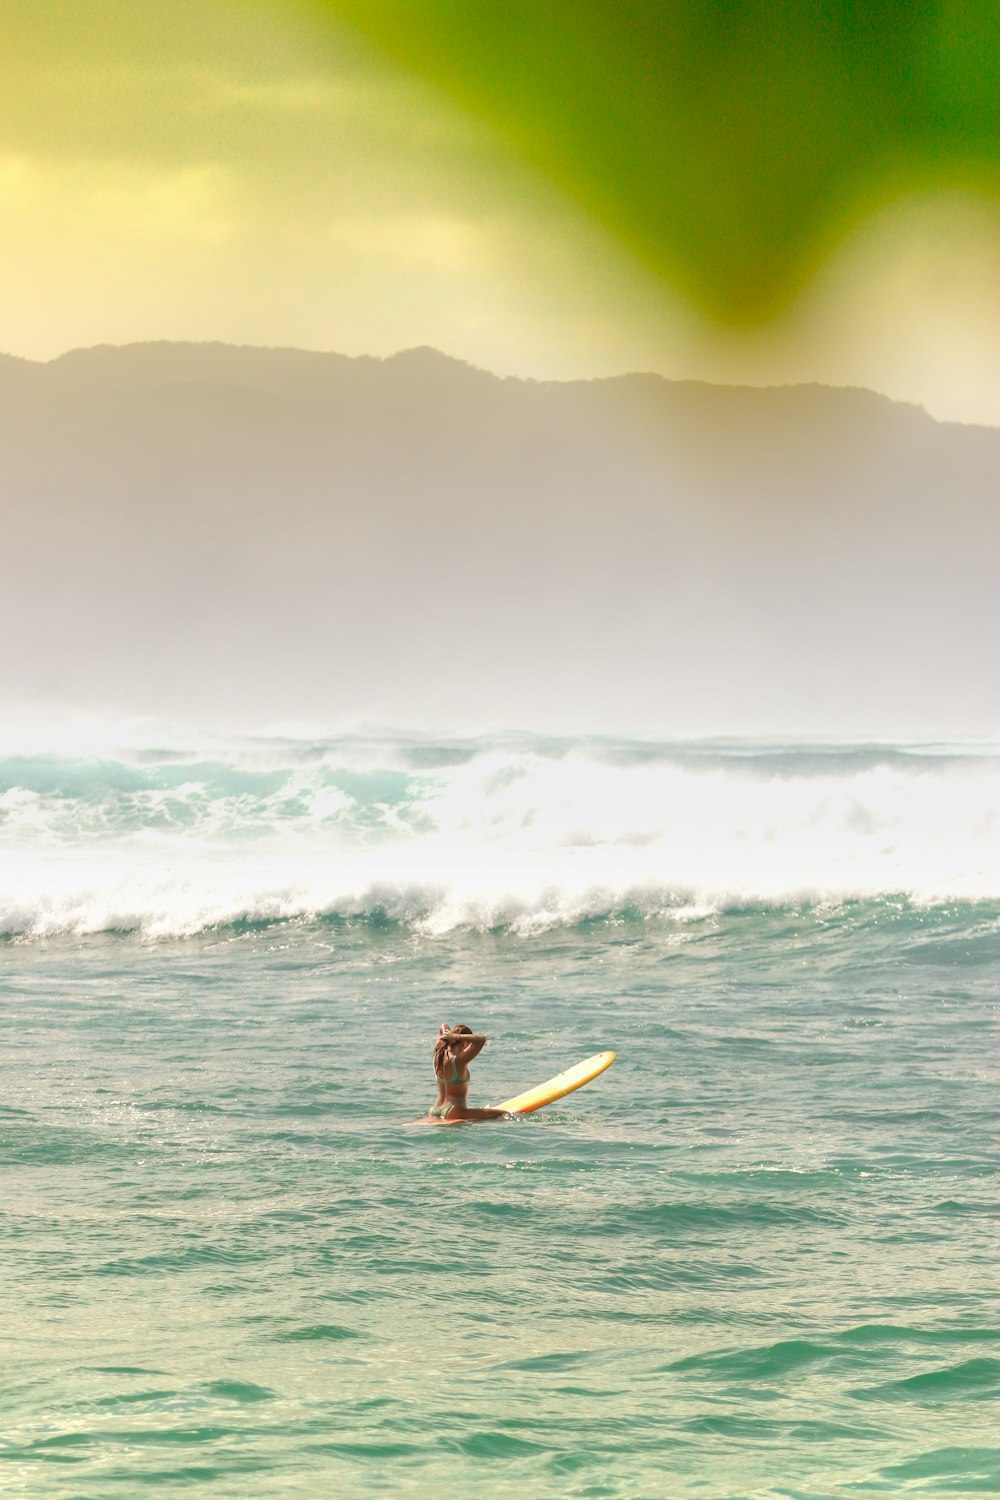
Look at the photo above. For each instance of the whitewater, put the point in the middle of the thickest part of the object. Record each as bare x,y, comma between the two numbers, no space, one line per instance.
755,1260
512,832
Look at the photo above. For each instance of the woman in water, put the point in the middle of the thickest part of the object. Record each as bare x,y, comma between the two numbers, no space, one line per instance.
454,1049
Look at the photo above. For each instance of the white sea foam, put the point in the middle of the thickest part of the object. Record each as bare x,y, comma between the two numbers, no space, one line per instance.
515,832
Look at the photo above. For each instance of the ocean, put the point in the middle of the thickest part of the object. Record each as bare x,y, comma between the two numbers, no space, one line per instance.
758,1257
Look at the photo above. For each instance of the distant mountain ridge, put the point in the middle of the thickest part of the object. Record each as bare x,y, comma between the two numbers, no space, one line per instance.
276,369
188,515
288,369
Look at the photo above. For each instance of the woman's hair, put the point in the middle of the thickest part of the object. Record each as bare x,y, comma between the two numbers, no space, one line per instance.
445,1046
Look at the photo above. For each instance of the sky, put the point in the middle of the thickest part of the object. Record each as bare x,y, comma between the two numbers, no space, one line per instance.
265,173
739,192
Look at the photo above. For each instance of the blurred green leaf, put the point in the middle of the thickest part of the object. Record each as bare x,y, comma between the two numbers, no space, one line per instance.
727,143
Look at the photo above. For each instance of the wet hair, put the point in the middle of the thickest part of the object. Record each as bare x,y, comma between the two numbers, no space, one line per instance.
444,1047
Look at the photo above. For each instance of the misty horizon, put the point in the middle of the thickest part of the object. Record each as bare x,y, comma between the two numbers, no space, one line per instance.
224,533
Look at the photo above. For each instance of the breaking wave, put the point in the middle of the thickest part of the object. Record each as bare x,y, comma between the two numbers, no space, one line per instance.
515,831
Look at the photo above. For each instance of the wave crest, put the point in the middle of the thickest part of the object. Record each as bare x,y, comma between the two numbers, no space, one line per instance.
516,833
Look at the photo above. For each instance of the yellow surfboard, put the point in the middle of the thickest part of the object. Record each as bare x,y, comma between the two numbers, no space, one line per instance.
561,1084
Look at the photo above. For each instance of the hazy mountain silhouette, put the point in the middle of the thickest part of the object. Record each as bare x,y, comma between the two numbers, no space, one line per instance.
263,532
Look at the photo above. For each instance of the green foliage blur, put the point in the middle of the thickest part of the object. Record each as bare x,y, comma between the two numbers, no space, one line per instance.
727,143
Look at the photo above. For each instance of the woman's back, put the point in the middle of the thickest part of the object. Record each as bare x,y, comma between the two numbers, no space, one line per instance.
454,1049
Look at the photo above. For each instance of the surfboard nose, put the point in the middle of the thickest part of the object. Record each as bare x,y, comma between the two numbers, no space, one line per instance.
562,1084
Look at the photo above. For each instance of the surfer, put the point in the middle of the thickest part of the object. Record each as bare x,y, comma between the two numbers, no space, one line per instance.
454,1049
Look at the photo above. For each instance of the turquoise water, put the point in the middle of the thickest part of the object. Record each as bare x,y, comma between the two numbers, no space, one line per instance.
756,1258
